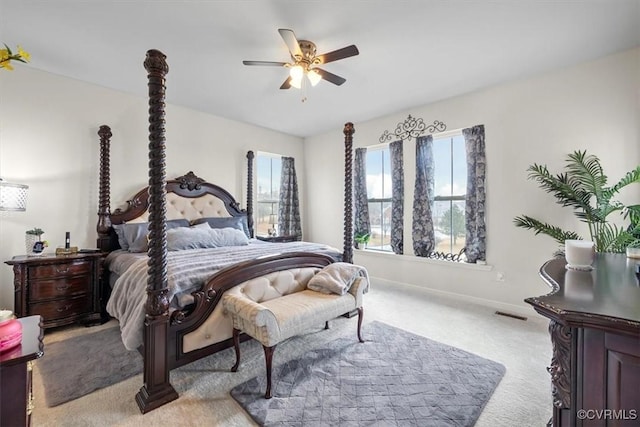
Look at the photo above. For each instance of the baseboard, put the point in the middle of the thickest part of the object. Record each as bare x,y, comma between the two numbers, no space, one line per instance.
529,313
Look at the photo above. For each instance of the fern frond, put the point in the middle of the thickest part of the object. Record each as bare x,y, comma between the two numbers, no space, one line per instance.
556,233
611,238
585,170
630,177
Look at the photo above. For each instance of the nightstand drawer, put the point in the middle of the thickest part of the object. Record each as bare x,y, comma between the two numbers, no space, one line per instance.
61,269
54,288
59,309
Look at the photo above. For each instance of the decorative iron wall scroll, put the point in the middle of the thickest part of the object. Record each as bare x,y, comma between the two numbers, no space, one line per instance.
412,128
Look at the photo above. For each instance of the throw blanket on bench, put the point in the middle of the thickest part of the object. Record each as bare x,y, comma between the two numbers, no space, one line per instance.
336,278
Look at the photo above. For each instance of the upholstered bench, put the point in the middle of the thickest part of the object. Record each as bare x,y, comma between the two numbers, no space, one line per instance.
281,305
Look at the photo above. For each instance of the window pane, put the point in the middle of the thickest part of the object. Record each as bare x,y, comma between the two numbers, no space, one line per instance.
378,174
268,172
380,218
449,226
459,166
450,166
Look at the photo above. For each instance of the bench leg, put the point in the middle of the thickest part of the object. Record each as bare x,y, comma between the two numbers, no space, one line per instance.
360,312
236,345
268,357
326,324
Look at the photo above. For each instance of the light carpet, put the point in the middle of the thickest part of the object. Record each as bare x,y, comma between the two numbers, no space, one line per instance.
395,378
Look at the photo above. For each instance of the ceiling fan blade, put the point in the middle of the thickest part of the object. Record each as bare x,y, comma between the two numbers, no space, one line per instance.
345,52
271,63
291,41
286,84
330,77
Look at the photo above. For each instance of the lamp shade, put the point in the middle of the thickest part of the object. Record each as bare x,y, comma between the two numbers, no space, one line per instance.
273,219
314,77
13,197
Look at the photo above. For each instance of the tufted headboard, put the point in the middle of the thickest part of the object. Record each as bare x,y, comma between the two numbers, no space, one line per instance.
188,197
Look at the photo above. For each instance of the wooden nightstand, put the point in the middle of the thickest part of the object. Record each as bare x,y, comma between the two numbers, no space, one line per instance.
280,239
62,289
16,400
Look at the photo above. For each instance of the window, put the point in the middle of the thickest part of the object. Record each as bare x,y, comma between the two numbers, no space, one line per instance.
268,170
379,197
450,183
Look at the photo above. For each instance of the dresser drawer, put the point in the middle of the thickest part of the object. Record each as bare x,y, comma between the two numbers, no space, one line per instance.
54,288
58,309
61,269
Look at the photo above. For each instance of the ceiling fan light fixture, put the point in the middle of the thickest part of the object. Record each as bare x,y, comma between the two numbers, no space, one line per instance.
296,72
314,77
296,82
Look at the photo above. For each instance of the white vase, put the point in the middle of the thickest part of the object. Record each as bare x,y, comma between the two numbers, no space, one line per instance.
30,240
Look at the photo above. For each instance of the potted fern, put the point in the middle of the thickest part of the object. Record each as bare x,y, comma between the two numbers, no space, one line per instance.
362,239
583,187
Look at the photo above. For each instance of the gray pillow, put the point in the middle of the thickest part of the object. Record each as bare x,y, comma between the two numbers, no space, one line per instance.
136,234
197,238
239,222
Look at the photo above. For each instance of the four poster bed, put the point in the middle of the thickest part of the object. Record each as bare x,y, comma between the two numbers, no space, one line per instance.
173,317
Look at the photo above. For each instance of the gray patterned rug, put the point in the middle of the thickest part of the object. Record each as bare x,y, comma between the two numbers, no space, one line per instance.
395,378
80,365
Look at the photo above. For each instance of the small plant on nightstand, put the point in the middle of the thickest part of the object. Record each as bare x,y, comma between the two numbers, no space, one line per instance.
34,243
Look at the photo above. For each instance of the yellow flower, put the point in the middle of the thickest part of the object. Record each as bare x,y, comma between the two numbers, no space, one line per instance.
6,64
24,54
6,56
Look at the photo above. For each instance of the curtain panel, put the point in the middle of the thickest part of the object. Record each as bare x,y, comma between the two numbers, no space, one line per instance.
361,223
422,230
397,197
476,233
289,207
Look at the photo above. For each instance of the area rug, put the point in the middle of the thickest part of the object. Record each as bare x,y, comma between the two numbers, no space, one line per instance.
77,366
395,378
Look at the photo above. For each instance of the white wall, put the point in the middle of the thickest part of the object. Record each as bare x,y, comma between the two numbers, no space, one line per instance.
593,107
48,140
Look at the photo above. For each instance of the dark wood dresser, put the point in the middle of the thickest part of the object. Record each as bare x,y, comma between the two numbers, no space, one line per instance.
62,289
595,333
16,365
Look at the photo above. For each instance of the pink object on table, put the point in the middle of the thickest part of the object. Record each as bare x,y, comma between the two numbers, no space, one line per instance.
10,334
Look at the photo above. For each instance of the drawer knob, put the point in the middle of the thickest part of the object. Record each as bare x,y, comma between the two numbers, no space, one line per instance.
65,308
63,287
62,270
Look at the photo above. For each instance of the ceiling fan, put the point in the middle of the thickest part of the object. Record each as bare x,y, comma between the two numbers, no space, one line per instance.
306,62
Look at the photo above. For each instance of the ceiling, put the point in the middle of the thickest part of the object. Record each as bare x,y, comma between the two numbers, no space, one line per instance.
412,53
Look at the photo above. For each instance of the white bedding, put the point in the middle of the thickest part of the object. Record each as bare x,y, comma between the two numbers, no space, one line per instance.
187,270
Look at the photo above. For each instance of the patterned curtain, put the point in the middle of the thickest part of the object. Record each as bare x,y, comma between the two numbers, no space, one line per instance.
397,197
476,232
289,207
361,205
424,241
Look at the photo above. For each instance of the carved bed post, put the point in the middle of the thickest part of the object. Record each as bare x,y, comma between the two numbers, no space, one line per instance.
250,156
349,130
104,203
156,390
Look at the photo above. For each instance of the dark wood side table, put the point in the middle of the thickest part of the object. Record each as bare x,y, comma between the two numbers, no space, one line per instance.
595,332
280,239
16,399
62,289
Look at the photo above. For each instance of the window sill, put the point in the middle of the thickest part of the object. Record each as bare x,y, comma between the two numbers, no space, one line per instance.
411,258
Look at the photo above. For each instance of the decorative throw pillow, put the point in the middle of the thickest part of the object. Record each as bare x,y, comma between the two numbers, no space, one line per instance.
136,234
239,222
199,237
